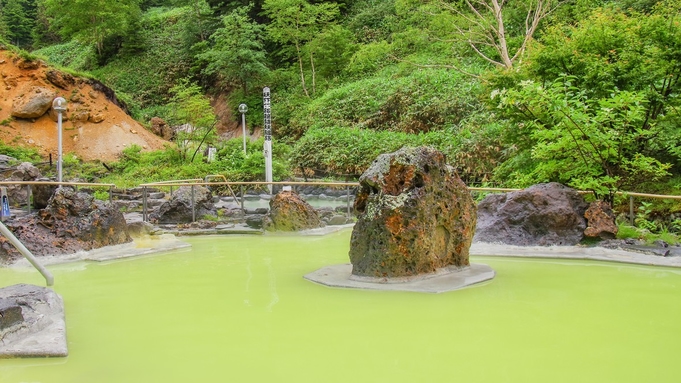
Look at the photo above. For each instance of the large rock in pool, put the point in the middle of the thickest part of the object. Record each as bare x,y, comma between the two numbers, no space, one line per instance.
71,222
541,215
415,216
289,212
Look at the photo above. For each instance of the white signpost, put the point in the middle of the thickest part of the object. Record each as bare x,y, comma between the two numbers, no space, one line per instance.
267,145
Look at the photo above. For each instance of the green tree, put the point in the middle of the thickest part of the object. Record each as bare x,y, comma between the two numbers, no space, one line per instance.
191,110
635,52
296,22
198,23
4,28
92,21
587,143
17,21
237,54
333,49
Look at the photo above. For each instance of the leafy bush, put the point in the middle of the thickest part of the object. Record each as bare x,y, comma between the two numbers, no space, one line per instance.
73,55
344,151
420,101
586,143
136,167
22,154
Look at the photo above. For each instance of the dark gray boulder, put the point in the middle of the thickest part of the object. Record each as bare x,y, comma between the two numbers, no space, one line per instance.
42,193
541,215
6,162
179,208
18,194
415,216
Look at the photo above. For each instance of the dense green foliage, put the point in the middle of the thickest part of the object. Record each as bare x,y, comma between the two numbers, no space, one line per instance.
598,104
237,55
586,93
136,167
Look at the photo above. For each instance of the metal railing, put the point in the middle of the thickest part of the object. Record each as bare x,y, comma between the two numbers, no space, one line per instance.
30,185
244,187
229,185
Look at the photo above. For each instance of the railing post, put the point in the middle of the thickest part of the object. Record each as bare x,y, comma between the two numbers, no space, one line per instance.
144,203
241,194
193,206
631,210
347,189
110,194
28,198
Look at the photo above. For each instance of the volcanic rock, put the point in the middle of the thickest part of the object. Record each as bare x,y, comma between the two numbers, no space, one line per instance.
179,208
71,222
6,162
10,313
36,326
42,193
289,212
18,194
600,220
415,216
541,215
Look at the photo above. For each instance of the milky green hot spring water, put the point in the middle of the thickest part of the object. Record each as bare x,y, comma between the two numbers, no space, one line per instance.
237,309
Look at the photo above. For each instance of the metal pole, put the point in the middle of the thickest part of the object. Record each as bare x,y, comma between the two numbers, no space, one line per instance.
242,198
193,206
28,198
49,279
243,129
347,189
59,151
144,203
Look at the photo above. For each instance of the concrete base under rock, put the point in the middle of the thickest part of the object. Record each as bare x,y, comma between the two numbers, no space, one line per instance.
42,332
446,279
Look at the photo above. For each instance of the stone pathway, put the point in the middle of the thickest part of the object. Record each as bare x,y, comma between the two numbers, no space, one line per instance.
574,252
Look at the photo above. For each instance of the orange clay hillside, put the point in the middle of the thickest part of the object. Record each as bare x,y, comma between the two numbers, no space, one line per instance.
94,127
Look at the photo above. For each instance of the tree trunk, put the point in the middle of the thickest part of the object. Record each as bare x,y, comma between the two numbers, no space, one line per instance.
314,85
302,73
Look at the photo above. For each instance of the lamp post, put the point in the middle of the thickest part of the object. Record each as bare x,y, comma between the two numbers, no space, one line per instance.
59,105
243,109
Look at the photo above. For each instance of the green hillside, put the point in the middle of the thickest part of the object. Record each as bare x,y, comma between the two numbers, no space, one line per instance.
584,92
